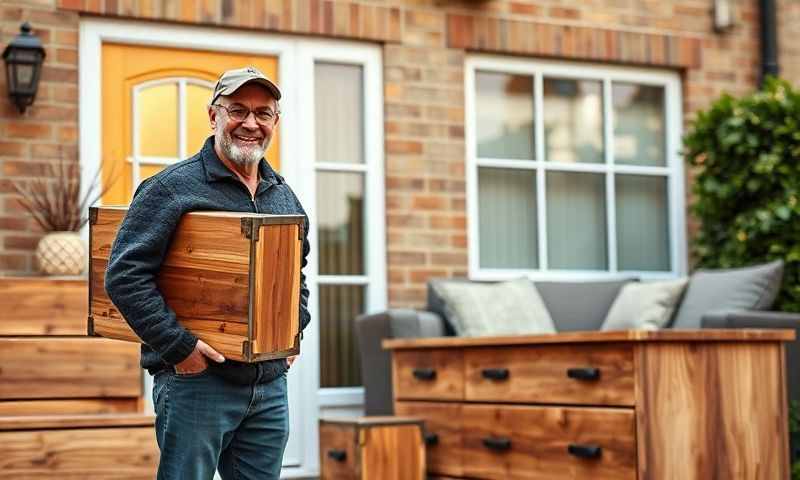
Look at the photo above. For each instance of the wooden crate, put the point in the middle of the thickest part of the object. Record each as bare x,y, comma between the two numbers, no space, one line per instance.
232,278
366,448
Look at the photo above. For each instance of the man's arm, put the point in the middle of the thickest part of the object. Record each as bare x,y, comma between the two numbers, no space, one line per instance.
140,247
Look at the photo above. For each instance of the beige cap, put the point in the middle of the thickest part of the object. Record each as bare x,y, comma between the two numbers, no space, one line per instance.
231,80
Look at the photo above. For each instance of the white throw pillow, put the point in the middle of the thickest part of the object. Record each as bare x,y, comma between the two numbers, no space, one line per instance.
644,306
507,308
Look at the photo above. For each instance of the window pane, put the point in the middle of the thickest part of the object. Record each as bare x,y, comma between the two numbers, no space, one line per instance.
504,113
507,212
197,125
639,124
339,305
642,223
573,120
157,120
340,223
576,221
339,113
147,171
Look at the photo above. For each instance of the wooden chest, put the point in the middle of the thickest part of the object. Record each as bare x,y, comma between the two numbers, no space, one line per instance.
367,448
232,278
599,405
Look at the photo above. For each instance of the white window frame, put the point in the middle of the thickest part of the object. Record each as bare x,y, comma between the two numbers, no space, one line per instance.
673,171
295,61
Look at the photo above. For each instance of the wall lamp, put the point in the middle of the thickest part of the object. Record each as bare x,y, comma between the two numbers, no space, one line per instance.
23,57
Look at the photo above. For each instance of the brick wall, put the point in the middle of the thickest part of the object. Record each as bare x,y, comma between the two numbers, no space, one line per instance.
425,43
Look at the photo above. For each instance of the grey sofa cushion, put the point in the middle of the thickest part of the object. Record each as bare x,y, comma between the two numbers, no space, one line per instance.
749,288
505,308
645,306
577,306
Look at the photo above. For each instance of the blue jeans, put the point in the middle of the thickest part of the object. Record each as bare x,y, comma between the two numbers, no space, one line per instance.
204,422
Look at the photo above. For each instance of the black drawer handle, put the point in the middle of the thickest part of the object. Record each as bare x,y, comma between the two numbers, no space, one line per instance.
584,451
495,373
424,373
431,439
498,444
587,373
338,455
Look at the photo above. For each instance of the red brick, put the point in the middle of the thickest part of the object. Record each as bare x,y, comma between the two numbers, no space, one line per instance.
12,262
13,223
28,130
12,149
403,147
399,220
406,258
68,134
423,275
454,259
66,38
429,202
19,242
524,9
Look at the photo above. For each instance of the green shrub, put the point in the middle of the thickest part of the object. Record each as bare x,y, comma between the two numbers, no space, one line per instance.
746,192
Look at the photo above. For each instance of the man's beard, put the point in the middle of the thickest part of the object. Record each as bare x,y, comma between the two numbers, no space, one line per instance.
243,156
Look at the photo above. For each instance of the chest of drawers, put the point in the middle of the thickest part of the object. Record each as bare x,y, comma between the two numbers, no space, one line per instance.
599,405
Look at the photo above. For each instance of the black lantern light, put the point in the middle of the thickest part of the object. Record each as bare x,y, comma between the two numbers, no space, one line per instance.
24,57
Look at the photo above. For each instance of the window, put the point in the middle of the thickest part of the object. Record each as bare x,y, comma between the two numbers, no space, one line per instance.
573,170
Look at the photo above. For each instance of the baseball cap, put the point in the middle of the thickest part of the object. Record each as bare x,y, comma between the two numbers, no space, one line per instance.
231,80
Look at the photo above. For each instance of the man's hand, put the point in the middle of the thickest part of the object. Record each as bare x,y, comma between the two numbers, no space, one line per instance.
196,361
290,360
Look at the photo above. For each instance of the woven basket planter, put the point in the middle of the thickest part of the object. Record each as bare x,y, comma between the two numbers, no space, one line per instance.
61,253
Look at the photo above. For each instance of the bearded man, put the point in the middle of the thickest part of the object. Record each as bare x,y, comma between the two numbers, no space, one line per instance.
211,413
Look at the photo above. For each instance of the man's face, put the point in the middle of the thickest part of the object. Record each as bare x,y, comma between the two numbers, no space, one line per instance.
243,142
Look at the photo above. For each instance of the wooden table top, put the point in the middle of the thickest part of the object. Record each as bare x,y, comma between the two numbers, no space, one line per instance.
670,335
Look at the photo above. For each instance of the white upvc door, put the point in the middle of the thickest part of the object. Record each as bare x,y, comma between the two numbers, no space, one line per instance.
314,179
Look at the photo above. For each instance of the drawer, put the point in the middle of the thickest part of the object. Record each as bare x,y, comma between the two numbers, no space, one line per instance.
428,374
442,434
337,451
563,374
68,367
129,453
502,442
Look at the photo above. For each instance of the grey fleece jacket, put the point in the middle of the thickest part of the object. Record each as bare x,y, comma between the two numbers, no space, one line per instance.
201,182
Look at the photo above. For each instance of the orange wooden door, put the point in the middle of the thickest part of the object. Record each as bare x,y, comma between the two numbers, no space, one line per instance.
155,109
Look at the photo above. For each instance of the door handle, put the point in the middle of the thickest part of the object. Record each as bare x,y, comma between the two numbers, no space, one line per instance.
498,444
584,373
338,455
495,373
424,373
584,451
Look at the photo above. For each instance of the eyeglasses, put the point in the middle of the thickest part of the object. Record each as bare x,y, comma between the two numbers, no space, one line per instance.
239,113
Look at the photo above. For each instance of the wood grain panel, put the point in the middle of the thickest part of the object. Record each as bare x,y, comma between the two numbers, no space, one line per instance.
53,422
68,368
712,410
443,420
448,380
392,452
635,336
43,306
539,440
538,374
210,241
277,288
87,406
332,437
97,453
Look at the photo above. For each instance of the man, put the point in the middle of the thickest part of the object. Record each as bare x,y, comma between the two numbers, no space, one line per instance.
210,412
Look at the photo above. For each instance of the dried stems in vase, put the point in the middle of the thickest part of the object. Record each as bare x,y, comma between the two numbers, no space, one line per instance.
55,201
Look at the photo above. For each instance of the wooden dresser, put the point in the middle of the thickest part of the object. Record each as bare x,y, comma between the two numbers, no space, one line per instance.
70,406
706,404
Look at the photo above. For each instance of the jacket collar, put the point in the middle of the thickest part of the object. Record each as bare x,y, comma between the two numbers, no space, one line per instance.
217,171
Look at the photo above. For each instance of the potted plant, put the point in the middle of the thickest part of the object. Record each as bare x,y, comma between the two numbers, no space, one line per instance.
56,203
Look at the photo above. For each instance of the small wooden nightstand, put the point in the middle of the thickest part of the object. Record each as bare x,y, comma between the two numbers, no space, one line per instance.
369,448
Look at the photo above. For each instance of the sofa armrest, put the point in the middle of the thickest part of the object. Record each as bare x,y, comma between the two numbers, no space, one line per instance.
371,330
764,319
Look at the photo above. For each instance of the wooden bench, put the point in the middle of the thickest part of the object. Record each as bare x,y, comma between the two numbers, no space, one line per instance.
71,406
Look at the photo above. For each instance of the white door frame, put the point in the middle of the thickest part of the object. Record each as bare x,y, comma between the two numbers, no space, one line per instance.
302,456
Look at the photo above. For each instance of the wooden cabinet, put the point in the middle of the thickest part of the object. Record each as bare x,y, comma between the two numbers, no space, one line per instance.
367,448
599,405
233,280
70,406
